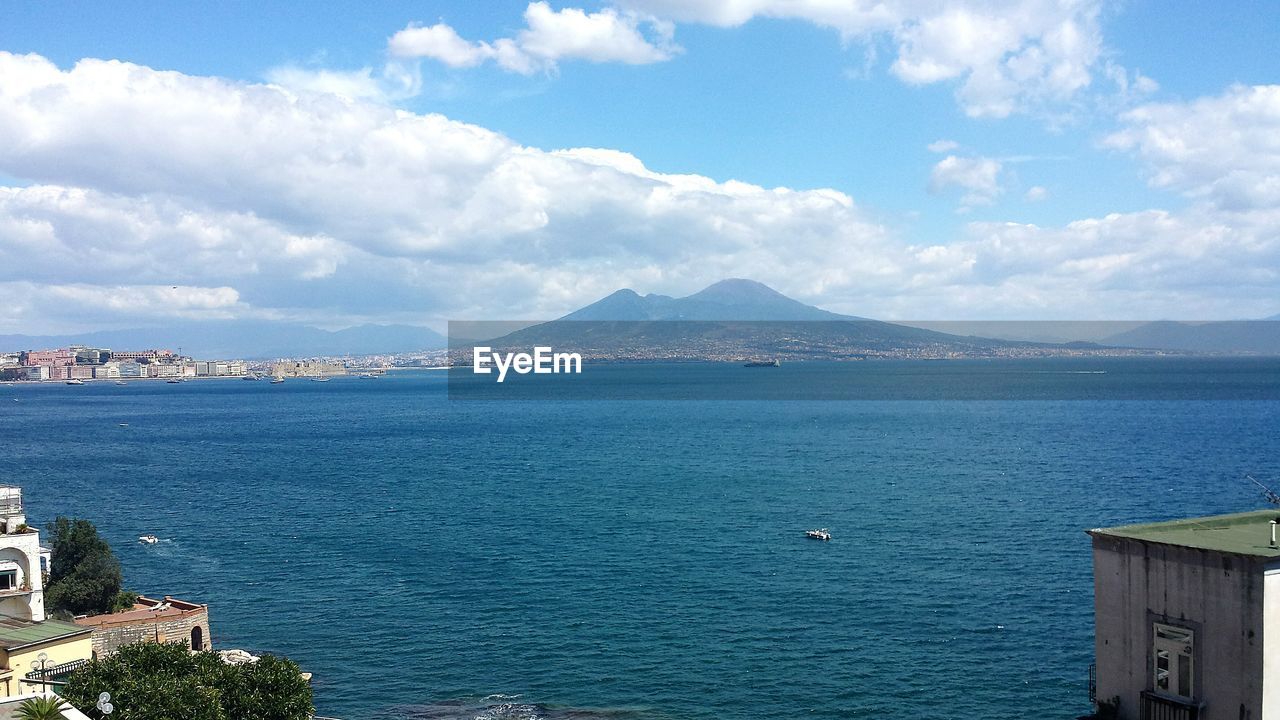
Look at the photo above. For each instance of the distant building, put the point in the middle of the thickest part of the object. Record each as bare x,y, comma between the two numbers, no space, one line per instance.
55,358
307,369
33,651
107,370
145,355
1187,619
36,372
164,371
133,370
167,620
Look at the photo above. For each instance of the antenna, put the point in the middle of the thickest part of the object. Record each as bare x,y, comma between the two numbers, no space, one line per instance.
1267,493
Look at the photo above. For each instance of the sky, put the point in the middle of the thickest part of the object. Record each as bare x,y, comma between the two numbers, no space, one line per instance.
340,163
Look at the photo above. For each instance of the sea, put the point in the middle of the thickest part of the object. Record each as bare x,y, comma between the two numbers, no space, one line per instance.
424,555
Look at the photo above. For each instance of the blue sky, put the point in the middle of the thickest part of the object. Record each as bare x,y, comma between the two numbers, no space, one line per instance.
957,159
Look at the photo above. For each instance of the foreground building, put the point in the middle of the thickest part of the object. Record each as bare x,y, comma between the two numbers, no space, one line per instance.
33,650
150,620
1187,619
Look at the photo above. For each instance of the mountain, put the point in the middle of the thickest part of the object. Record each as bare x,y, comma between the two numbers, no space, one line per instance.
1256,337
246,339
733,299
735,319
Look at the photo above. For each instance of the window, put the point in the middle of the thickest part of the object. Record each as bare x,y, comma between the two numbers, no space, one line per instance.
8,579
1174,658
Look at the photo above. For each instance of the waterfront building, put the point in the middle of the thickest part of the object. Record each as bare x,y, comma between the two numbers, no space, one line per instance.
33,649
147,355
80,372
151,620
106,370
164,370
48,357
133,370
90,356
36,372
1187,619
307,369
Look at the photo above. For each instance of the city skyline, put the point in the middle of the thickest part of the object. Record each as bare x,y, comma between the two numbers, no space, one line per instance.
413,163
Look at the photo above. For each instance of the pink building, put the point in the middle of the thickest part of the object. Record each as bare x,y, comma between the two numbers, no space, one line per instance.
55,358
81,372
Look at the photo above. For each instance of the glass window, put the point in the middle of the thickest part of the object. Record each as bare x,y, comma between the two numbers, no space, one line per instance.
8,579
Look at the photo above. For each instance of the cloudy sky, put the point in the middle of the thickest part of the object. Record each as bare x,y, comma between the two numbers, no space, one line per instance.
339,163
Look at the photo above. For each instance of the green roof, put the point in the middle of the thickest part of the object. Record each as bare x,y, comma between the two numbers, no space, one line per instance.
1246,533
15,633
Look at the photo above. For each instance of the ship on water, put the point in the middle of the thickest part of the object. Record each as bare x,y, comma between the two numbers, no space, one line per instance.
763,363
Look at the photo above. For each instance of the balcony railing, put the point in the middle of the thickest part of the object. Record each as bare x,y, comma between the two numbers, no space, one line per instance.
1157,707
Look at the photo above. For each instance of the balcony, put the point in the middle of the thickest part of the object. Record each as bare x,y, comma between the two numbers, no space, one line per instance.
1158,707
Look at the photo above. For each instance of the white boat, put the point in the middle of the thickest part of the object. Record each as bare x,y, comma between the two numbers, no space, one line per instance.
277,380
173,381
820,534
121,382
148,539
75,382
320,379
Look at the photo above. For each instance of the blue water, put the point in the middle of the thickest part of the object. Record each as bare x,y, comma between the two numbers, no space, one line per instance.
428,558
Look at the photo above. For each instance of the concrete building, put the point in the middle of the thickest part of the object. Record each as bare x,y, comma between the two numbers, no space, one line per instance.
56,358
133,370
106,371
307,369
36,372
21,583
1187,619
150,620
34,654
33,650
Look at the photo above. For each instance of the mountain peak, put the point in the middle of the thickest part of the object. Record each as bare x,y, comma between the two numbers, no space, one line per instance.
732,299
737,289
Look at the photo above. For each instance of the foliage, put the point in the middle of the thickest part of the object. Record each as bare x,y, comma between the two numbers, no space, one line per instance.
124,600
47,707
165,681
85,577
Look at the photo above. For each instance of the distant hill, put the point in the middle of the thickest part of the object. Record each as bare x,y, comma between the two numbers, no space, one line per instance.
1259,337
736,319
246,339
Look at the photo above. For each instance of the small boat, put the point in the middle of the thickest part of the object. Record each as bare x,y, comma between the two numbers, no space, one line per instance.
75,382
820,534
148,539
320,379
123,424
173,381
277,380
121,382
250,377
763,363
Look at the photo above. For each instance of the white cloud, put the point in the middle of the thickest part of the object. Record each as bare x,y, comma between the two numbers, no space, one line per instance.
312,206
943,146
1008,55
549,37
396,81
1036,193
979,177
1223,150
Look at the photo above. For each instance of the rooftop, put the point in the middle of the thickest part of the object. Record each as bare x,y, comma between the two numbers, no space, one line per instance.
145,610
1247,533
15,633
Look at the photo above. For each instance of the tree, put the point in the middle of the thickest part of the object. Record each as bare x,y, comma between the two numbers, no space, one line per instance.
165,681
47,707
85,576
